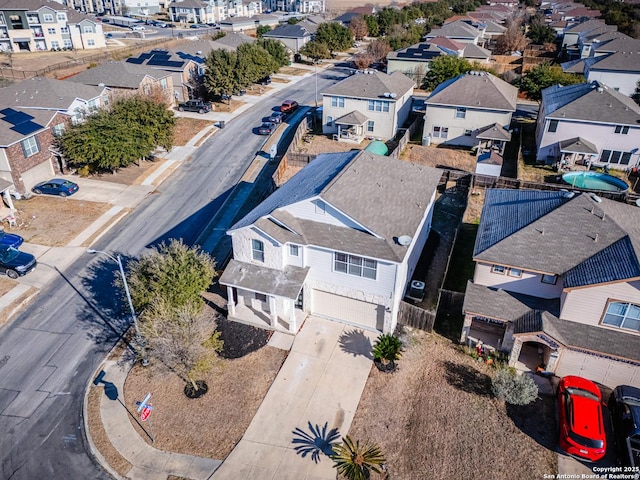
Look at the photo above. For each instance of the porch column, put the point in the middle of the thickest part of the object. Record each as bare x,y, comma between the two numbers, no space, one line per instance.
8,199
515,352
466,328
292,317
553,361
231,303
273,312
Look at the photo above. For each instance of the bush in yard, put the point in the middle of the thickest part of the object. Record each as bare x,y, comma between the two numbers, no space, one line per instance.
356,462
386,350
513,388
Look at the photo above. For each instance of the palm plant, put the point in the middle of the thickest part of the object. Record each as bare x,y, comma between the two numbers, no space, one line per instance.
355,461
387,350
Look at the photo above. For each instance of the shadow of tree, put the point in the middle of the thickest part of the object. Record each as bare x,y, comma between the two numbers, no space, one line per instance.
467,379
537,420
356,343
240,339
318,441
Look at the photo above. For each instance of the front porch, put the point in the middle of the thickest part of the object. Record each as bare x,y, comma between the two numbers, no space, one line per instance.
576,154
351,127
256,317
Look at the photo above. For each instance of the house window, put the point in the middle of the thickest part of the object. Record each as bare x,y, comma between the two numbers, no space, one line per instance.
550,279
91,43
514,272
377,106
329,121
499,269
58,130
461,112
261,297
61,16
440,132
623,315
147,89
337,102
88,29
370,126
321,208
55,44
352,265
51,31
553,126
16,22
67,43
294,250
48,18
30,146
64,29
163,83
624,130
257,250
616,157
467,133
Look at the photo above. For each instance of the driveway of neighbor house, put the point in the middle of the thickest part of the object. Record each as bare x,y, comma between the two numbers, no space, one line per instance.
317,389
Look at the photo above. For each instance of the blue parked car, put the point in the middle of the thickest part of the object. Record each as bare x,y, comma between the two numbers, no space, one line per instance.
10,240
14,263
56,186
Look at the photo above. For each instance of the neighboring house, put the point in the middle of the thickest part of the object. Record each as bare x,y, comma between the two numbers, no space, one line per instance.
472,110
294,37
458,31
340,240
238,24
136,7
36,25
197,11
186,68
588,124
127,79
371,104
491,28
33,113
189,11
299,6
557,283
572,33
618,70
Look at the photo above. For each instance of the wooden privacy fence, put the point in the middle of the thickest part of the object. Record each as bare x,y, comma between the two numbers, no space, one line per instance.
416,317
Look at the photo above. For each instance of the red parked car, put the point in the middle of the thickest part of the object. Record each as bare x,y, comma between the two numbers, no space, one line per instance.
580,418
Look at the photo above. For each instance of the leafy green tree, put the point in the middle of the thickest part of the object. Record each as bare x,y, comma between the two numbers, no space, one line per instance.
315,50
539,32
173,272
513,388
276,49
372,25
294,20
262,29
355,461
444,68
545,75
219,75
335,36
253,63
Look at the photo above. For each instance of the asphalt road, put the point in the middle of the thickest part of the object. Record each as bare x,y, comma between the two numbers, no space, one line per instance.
48,354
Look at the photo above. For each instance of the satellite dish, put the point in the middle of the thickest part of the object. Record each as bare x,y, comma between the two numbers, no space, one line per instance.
405,240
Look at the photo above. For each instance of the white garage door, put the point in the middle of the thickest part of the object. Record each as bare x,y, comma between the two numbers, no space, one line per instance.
602,370
39,173
367,315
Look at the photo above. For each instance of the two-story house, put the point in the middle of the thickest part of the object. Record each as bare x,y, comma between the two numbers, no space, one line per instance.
460,32
294,37
557,283
33,113
604,122
341,240
371,104
36,25
472,110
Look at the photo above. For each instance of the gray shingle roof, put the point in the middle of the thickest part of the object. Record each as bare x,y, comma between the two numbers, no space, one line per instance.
355,182
9,136
475,90
588,25
455,30
373,85
494,132
41,92
578,145
285,283
472,50
617,61
583,241
352,118
590,101
118,75
420,52
287,31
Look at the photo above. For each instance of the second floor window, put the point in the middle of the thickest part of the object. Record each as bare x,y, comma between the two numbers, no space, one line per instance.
337,102
30,146
257,249
58,129
353,265
378,106
553,126
294,250
87,29
623,315
51,31
514,272
461,112
47,17
624,130
370,126
64,29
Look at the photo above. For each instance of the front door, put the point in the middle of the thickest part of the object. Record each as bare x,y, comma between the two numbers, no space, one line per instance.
299,301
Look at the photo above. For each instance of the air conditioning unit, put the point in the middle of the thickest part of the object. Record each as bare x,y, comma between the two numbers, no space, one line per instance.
416,291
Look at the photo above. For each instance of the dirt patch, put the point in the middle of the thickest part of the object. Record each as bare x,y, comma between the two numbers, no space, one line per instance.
326,144
187,127
293,71
134,174
280,80
459,159
434,418
53,221
475,203
6,284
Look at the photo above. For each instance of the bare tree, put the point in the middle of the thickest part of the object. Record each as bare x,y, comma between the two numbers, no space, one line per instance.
358,27
512,40
378,49
362,60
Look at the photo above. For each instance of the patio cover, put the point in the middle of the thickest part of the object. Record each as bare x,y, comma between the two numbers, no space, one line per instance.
4,184
285,283
494,132
578,145
352,118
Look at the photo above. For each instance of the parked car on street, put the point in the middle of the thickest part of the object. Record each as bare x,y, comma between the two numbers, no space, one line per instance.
580,419
289,106
266,128
277,117
624,404
199,106
10,240
137,27
56,186
14,263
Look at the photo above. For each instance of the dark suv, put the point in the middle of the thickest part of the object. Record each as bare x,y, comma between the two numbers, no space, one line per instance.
199,106
624,404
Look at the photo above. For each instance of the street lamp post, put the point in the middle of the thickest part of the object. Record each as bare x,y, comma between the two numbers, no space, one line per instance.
315,72
118,260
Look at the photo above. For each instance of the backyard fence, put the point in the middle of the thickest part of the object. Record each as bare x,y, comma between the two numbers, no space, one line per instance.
404,135
416,317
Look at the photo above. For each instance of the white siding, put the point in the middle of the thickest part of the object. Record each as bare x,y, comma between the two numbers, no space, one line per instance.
530,283
625,82
311,210
242,248
587,305
474,119
291,259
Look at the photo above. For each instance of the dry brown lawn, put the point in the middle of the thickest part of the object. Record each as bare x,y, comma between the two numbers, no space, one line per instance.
187,127
434,418
6,284
432,156
293,71
54,221
474,206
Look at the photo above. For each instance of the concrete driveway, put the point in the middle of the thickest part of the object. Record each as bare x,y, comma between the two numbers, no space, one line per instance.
317,389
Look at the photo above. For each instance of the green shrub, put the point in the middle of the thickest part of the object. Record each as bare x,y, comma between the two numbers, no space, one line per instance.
387,348
514,389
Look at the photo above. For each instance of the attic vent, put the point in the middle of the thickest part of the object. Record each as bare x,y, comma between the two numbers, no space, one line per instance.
595,198
569,194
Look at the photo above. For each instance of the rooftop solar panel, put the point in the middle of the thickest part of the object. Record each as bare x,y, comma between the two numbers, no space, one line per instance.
27,128
136,61
15,117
